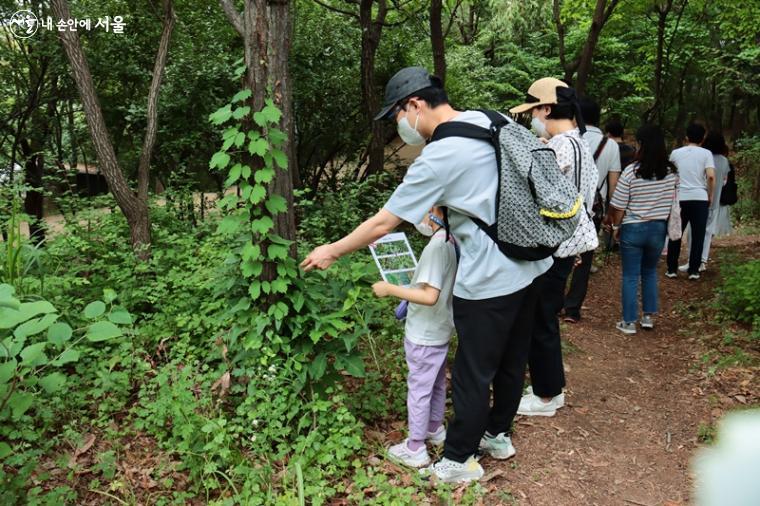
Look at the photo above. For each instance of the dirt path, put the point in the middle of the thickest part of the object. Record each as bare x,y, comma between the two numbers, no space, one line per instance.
633,413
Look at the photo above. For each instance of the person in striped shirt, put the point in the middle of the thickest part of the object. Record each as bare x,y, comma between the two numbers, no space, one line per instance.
638,215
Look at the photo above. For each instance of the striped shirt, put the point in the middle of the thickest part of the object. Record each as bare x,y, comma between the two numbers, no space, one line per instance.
643,199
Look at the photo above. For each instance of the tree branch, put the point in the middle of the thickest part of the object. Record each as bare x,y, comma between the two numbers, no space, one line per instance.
335,9
233,16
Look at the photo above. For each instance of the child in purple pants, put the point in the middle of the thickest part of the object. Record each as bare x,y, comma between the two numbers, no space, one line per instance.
429,326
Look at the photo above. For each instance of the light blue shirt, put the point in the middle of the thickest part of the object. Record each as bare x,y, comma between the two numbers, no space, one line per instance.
461,174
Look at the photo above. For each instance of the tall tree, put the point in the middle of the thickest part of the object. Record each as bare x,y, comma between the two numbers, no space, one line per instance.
134,205
582,62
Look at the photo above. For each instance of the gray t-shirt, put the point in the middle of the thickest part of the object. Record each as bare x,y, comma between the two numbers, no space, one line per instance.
722,169
461,174
434,325
609,158
692,163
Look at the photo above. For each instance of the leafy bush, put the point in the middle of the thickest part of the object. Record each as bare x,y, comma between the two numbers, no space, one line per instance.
747,163
740,294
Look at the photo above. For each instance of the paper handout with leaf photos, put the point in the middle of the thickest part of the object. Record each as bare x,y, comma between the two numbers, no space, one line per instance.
395,258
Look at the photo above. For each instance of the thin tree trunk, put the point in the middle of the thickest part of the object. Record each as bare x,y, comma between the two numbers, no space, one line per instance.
134,208
371,30
437,39
602,12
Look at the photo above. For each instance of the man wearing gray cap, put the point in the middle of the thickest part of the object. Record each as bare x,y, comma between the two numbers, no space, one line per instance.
494,295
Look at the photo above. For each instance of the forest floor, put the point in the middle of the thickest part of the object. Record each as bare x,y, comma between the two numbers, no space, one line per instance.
638,407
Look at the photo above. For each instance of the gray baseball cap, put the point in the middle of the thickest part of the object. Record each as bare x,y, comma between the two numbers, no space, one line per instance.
404,83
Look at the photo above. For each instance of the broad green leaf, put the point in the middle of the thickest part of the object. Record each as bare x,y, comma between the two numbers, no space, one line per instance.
7,300
59,333
6,291
35,326
280,158
277,251
241,95
251,251
9,318
239,139
7,370
102,331
264,175
276,137
254,290
120,316
257,194
241,112
219,160
5,450
271,113
318,366
94,309
280,285
251,269
70,355
298,301
230,133
276,204
19,403
246,172
258,147
354,365
234,174
262,225
109,295
230,224
53,382
34,354
221,115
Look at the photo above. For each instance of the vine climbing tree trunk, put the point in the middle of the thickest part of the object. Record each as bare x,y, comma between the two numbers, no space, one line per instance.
133,205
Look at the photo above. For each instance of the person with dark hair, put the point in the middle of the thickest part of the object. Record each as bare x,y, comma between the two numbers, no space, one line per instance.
716,144
616,131
606,155
556,116
696,186
642,203
494,295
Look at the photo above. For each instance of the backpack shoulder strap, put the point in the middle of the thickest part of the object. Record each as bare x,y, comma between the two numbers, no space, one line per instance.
461,129
600,148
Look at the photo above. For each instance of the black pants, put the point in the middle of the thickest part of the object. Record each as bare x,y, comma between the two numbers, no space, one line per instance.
694,212
494,339
547,374
576,294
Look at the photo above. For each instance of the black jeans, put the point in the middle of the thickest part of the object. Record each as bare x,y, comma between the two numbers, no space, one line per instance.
547,374
494,340
694,212
576,294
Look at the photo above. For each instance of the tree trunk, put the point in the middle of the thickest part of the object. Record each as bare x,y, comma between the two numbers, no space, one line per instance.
34,200
135,209
437,39
602,12
371,30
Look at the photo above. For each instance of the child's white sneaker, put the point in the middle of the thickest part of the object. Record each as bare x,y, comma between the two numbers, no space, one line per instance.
401,454
449,471
438,437
533,405
498,446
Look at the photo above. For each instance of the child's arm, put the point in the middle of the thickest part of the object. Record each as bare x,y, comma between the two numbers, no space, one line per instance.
426,295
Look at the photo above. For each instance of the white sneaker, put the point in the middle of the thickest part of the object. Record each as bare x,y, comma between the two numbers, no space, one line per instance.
401,454
449,471
499,447
626,328
694,277
703,267
671,275
533,405
683,268
438,437
647,322
558,400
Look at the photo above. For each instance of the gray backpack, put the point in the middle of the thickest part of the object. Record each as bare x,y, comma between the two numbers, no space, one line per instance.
537,207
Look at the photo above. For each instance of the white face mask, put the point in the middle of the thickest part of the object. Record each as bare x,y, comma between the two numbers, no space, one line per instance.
408,134
538,126
424,229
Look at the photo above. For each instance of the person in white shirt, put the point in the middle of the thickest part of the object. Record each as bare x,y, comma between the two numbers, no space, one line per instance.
606,155
696,170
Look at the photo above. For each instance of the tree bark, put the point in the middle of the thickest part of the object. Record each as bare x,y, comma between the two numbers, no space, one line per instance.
135,209
437,39
151,130
602,12
371,30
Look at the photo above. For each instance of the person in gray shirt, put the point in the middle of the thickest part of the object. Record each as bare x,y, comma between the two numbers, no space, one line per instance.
494,295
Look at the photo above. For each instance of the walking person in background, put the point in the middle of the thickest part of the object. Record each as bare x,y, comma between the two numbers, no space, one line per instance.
606,155
716,144
616,132
696,169
642,202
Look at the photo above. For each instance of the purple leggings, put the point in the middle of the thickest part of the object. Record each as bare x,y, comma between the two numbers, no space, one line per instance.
426,400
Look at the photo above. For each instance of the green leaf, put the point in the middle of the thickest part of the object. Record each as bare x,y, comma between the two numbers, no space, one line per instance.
102,331
298,301
7,370
251,268
94,309
277,251
219,160
257,194
262,225
241,112
35,326
19,403
271,113
7,300
276,136
221,115
264,175
230,224
53,382
234,174
318,366
120,316
109,295
276,204
280,158
69,355
260,119
241,95
258,147
5,450
9,318
354,365
230,133
59,333
246,172
34,354
280,285
254,290
251,251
